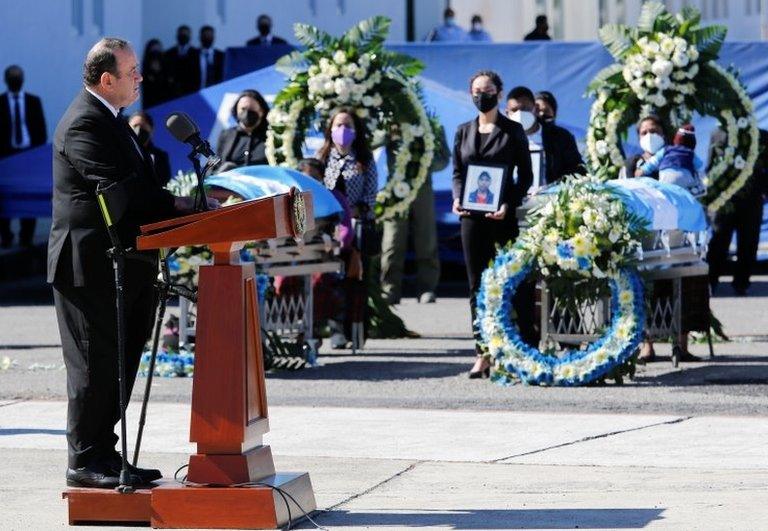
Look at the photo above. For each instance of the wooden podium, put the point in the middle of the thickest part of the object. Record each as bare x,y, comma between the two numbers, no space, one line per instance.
229,401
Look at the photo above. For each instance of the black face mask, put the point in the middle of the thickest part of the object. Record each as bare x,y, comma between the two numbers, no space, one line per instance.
249,118
264,29
206,42
14,83
182,39
484,101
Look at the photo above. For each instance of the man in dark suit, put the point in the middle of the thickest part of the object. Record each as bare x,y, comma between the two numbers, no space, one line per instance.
744,216
143,125
182,65
22,126
561,154
265,37
210,60
540,32
95,149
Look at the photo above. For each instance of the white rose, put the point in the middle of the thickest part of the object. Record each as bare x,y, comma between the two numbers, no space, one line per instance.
339,57
693,53
642,93
739,162
313,70
667,45
662,68
742,122
678,75
324,64
602,147
401,189
364,61
360,74
680,59
662,83
649,82
627,74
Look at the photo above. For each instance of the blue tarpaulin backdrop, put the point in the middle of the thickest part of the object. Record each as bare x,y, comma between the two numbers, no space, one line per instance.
563,68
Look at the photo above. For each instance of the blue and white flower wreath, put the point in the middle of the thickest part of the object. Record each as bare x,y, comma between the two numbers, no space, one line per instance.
511,356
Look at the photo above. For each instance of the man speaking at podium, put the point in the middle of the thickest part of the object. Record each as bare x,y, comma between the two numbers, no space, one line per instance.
93,148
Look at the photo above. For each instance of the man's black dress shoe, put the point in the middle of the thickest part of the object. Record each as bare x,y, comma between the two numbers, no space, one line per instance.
100,476
146,475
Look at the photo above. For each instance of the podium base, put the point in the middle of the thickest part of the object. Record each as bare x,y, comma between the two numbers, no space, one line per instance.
171,505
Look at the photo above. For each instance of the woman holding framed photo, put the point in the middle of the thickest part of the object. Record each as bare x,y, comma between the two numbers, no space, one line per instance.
486,152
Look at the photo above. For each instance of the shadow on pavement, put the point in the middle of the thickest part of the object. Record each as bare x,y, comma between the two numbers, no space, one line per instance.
30,431
374,371
715,374
757,289
495,519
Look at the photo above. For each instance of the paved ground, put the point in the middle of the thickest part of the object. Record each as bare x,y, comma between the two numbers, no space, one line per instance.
398,437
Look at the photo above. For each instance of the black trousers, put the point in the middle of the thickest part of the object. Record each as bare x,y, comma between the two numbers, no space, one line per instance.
88,327
479,237
26,233
744,218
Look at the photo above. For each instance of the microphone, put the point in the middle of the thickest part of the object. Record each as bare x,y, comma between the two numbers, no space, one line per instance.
183,129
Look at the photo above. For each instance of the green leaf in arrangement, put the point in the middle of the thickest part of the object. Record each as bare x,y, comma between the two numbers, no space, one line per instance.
608,75
708,41
648,15
404,64
370,31
291,63
312,37
617,38
691,15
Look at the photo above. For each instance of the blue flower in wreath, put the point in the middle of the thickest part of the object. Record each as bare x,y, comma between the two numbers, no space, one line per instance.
583,263
173,264
564,250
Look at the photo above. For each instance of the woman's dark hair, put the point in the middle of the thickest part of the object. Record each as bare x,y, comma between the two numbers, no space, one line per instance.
656,119
313,163
150,44
256,95
493,76
549,98
363,155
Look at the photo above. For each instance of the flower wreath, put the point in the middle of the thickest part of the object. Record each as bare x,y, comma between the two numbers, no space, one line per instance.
578,240
666,66
355,70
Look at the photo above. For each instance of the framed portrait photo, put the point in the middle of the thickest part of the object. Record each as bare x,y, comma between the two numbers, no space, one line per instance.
483,188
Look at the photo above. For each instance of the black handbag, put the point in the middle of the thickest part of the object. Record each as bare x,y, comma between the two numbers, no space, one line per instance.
367,236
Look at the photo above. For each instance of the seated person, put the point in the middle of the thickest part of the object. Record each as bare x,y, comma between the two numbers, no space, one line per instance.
676,164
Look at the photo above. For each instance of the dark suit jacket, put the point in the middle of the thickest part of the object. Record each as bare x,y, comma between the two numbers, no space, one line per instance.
217,67
561,155
34,117
757,184
93,149
473,197
182,71
226,144
162,164
507,146
256,41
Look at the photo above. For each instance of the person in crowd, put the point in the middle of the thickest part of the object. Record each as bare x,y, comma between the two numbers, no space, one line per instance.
244,144
541,31
490,139
653,135
676,164
561,155
743,217
420,226
22,126
211,63
546,105
476,32
94,149
448,31
154,88
143,125
351,170
181,65
265,37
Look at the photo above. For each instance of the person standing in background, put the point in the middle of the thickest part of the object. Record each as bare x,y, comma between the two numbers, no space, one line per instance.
540,32
265,37
211,62
546,104
476,32
448,31
154,89
181,65
22,127
143,125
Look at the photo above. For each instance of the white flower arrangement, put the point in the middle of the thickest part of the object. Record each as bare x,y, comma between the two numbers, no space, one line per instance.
352,71
662,63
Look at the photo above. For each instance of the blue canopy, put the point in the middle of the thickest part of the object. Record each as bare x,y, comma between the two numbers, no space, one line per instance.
253,182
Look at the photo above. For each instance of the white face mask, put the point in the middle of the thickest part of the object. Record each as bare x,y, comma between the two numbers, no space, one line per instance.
651,142
524,118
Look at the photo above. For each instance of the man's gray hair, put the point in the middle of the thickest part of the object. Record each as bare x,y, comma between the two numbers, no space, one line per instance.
101,58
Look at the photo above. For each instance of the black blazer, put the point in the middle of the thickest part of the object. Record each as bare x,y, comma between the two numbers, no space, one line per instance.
257,41
162,164
92,148
226,144
507,146
182,71
217,67
34,117
561,155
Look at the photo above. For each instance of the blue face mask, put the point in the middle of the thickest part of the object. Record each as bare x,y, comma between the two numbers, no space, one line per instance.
450,21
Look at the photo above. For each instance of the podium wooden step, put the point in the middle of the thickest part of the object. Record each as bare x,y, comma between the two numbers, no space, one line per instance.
172,505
